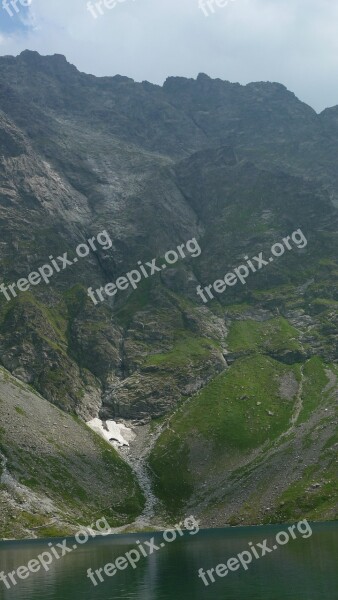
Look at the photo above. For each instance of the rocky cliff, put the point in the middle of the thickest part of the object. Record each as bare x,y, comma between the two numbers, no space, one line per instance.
232,387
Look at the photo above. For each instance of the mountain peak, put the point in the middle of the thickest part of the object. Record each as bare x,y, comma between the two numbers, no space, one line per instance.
34,55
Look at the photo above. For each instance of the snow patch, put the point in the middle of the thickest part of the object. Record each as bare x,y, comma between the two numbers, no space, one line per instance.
116,434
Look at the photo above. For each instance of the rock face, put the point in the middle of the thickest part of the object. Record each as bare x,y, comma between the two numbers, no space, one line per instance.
239,168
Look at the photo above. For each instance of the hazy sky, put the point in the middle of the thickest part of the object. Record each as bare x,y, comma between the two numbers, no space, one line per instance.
294,42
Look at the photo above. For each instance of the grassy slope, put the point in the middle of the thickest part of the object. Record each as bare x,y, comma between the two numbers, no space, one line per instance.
226,415
212,442
273,335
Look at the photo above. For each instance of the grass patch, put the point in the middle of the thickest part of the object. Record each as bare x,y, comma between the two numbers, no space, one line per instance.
189,349
274,335
172,485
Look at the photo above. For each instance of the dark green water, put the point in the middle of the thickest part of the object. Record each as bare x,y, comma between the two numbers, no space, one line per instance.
304,569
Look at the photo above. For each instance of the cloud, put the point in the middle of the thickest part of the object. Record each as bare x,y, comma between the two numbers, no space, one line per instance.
290,41
13,20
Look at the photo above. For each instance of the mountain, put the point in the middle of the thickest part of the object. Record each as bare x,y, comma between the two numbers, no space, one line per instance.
232,400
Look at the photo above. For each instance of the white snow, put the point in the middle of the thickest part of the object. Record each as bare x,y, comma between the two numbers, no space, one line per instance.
116,434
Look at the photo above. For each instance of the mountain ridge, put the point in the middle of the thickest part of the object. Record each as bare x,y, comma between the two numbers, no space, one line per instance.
236,167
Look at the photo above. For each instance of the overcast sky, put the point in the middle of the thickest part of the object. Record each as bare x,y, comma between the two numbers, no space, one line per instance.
294,42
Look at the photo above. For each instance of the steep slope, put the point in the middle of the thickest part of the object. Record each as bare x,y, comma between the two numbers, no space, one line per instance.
258,444
236,167
56,474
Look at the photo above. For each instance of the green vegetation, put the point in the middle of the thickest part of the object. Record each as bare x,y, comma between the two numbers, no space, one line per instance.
49,323
75,299
169,466
189,348
136,302
312,496
274,335
236,412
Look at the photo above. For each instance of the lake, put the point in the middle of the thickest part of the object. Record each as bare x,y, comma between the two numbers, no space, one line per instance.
302,569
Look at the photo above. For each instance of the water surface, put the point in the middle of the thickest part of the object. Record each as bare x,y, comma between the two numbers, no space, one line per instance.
304,569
